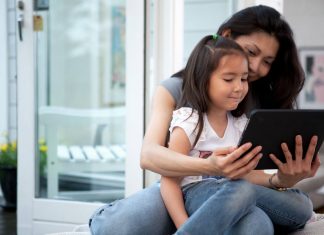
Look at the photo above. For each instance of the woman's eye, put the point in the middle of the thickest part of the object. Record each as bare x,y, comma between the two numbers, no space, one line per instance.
250,52
269,63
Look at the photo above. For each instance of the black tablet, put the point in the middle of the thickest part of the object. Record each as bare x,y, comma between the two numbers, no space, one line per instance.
270,128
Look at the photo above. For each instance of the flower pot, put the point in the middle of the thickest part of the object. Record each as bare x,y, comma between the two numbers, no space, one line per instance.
8,182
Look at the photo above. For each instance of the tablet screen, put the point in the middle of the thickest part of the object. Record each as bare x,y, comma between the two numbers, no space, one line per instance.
270,128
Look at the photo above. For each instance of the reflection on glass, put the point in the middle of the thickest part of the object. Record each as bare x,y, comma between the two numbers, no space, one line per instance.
81,100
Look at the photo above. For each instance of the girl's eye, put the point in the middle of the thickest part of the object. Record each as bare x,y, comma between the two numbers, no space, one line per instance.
228,79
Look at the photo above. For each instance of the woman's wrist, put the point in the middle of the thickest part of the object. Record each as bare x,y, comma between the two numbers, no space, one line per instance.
274,184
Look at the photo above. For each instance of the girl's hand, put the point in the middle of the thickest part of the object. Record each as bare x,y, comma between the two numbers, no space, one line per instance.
297,168
229,163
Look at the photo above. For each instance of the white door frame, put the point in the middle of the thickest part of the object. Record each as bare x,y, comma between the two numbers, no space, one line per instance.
39,216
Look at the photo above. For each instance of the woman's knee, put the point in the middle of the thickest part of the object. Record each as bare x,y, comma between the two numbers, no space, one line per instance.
302,204
136,214
254,222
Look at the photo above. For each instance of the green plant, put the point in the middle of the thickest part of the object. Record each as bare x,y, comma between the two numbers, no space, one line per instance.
8,154
42,156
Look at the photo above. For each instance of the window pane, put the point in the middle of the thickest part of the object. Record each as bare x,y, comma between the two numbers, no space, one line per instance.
81,100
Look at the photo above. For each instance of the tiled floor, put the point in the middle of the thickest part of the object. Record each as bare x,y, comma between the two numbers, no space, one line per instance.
8,221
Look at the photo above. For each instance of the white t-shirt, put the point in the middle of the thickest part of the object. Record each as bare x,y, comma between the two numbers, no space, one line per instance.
208,140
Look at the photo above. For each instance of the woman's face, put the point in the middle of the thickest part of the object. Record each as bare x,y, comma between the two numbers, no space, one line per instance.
261,49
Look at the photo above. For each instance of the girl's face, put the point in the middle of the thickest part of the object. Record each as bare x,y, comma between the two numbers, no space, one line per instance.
261,49
228,84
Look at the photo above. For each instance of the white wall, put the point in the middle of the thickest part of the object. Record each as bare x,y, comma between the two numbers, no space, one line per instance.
203,17
12,69
8,70
8,80
306,19
3,68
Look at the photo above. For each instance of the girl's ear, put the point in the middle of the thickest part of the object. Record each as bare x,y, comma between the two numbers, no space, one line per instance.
226,33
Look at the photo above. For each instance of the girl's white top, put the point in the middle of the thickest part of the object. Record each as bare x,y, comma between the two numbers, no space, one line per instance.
209,140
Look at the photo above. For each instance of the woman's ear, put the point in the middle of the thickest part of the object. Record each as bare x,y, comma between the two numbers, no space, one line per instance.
226,33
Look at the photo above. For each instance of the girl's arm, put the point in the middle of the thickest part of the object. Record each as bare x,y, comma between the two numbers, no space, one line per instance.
164,161
170,186
173,200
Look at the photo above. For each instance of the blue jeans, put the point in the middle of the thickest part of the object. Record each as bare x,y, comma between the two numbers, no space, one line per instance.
222,206
145,213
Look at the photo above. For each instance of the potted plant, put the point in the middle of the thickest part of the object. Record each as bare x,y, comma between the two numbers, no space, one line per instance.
8,169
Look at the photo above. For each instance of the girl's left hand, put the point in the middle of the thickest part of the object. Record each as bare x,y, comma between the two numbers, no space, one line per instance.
297,168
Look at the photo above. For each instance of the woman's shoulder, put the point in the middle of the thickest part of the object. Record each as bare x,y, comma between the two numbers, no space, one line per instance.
174,86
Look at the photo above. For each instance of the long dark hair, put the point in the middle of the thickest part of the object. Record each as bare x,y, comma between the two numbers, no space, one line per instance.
202,62
280,87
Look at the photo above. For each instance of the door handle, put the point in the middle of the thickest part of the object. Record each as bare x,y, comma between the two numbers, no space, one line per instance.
20,19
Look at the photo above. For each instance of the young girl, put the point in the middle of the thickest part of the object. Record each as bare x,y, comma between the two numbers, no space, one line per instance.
215,85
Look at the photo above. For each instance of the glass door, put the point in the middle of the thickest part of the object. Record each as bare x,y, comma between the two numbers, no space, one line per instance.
79,115
81,101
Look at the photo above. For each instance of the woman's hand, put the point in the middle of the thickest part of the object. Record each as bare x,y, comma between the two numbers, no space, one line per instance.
229,163
297,168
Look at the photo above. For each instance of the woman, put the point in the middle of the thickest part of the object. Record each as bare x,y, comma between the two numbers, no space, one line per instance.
273,68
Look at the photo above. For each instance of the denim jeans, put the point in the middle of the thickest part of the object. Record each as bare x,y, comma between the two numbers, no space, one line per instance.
216,206
144,212
288,210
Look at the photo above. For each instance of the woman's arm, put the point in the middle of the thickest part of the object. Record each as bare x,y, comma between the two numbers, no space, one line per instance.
157,158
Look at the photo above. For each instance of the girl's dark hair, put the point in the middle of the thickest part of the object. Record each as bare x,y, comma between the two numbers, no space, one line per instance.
279,89
202,62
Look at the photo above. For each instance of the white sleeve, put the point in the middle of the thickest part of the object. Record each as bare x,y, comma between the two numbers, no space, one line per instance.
187,120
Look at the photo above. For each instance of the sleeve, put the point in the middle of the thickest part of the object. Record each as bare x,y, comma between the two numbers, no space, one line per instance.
174,86
187,120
